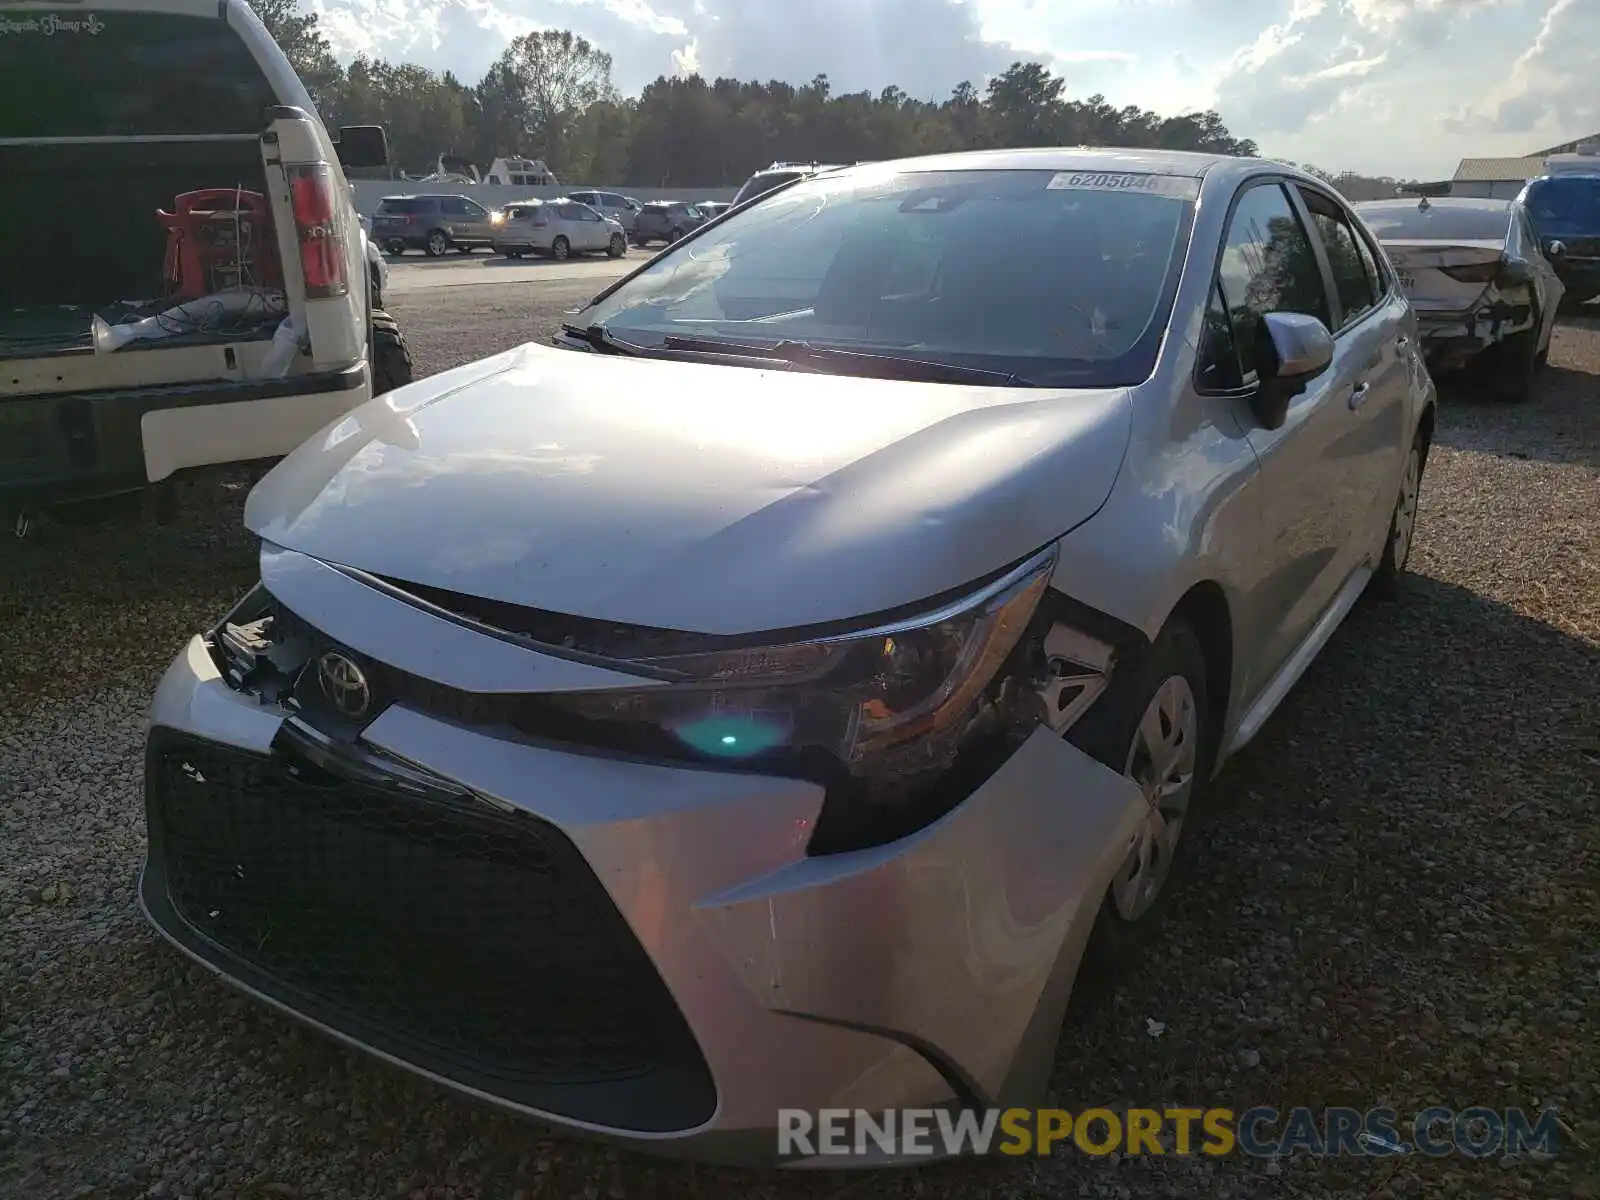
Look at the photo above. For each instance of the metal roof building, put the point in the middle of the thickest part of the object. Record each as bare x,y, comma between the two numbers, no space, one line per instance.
1497,178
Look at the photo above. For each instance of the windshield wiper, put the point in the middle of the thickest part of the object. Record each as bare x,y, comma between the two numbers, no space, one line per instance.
856,362
602,339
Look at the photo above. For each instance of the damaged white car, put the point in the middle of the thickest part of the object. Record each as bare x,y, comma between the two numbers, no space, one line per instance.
762,699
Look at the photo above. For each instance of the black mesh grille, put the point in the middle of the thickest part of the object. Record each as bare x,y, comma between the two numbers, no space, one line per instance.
477,941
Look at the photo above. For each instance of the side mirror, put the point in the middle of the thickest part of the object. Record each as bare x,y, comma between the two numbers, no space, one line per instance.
363,147
1558,249
1292,349
1514,273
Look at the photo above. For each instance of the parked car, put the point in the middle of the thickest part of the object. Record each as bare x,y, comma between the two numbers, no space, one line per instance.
433,224
713,208
779,173
1484,293
1564,211
148,318
619,208
666,221
843,648
555,229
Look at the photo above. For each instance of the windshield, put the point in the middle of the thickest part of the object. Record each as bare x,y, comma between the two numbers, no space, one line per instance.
125,74
1061,278
1565,205
1437,222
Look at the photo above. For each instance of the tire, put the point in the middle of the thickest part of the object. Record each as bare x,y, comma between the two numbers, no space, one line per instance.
513,253
560,249
674,235
1161,692
617,246
1516,367
397,248
437,244
1385,584
377,285
391,357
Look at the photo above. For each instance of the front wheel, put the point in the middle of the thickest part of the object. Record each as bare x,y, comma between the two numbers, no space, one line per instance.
437,244
391,357
617,246
1152,725
560,248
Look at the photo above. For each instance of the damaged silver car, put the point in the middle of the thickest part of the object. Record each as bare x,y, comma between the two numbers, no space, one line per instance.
765,696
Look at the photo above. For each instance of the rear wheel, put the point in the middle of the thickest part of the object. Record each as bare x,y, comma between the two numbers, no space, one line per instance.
1402,525
674,235
397,247
617,247
438,242
391,357
1516,367
560,248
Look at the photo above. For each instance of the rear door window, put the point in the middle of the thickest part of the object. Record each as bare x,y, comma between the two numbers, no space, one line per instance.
1354,278
126,74
387,207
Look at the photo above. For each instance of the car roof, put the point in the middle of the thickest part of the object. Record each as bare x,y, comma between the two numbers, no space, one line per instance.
1075,158
1401,203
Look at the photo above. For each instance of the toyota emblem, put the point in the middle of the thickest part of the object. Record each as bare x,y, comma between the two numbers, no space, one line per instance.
344,684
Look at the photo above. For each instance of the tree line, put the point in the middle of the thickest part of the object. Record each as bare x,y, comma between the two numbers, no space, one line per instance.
549,96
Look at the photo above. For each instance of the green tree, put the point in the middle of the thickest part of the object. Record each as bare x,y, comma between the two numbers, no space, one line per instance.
550,77
307,50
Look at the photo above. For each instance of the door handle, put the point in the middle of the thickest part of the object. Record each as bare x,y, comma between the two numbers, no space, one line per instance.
1359,396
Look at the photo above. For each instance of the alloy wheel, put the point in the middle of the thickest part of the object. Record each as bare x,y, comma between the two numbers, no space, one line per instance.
1161,760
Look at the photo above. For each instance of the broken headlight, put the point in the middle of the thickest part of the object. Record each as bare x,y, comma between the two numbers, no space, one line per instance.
881,716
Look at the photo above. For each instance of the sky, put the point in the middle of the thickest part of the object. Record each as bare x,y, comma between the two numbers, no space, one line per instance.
1392,87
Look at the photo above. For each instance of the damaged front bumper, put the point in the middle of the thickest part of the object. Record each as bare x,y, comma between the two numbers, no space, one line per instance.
640,952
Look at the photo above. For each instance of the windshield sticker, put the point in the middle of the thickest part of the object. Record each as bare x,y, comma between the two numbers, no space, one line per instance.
51,24
1179,187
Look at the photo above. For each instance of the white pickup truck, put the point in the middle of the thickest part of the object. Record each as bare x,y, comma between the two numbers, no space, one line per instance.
139,341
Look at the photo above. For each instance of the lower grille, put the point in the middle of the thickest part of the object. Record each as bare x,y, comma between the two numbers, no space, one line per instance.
475,944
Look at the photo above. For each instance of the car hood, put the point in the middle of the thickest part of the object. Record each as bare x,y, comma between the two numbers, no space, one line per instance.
705,498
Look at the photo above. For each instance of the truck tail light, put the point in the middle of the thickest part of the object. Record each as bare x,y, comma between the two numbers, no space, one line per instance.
318,230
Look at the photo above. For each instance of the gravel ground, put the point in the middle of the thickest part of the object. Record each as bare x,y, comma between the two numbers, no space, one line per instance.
1395,901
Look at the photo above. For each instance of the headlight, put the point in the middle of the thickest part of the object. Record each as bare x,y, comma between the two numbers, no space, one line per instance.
879,715
898,690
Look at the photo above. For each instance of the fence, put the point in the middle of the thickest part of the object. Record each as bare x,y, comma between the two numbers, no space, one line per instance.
491,195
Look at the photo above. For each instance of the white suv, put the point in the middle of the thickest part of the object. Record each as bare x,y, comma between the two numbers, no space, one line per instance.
188,283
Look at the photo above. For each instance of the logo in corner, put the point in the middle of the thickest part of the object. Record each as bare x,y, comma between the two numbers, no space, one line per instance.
344,684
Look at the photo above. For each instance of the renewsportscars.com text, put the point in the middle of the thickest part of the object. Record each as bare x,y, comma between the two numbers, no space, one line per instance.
1478,1132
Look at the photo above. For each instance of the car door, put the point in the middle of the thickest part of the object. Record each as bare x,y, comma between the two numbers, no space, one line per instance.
1269,263
1372,332
478,220
590,229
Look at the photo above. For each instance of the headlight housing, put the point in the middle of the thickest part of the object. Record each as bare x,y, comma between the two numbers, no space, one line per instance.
878,715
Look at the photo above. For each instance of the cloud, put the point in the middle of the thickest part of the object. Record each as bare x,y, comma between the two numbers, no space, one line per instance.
1552,86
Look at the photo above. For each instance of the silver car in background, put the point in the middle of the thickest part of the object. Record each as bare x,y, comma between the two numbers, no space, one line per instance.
621,209
766,696
555,229
1484,293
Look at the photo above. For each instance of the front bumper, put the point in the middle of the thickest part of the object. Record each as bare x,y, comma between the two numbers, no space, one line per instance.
78,445
931,971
